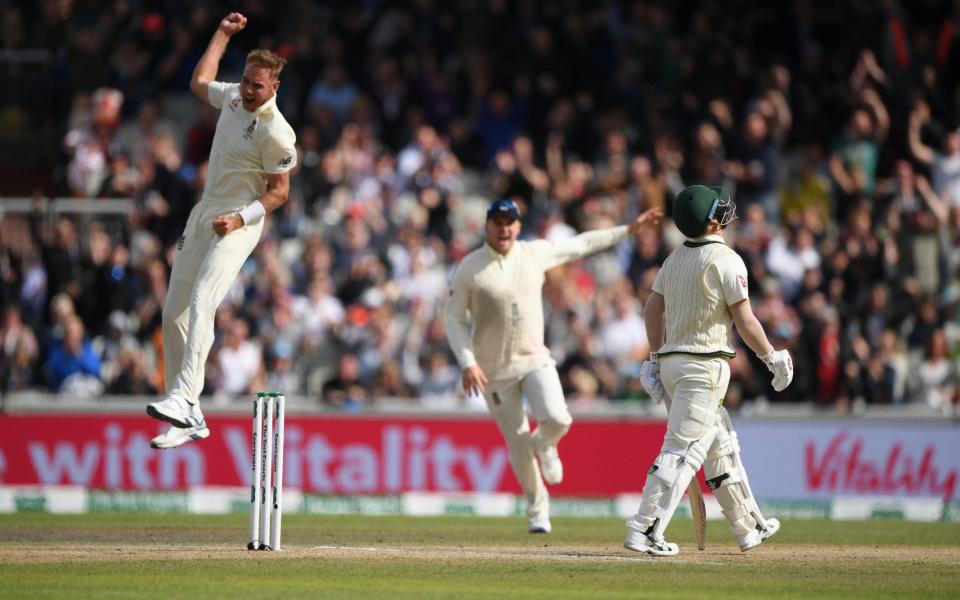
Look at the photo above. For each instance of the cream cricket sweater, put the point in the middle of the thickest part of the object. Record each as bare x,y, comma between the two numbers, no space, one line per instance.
698,281
501,296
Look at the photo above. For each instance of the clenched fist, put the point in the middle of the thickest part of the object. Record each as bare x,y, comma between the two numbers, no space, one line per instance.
232,23
224,225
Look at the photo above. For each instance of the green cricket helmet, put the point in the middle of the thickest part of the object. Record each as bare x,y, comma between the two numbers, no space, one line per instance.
696,205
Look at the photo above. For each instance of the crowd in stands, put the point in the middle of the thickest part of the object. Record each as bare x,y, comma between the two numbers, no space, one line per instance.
834,126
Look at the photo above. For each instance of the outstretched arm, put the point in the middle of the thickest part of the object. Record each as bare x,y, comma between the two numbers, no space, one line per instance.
598,239
206,69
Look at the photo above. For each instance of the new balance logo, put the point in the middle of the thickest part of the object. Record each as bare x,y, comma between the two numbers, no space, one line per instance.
717,481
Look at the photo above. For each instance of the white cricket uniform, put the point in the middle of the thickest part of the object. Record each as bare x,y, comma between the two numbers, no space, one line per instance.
699,282
502,296
246,147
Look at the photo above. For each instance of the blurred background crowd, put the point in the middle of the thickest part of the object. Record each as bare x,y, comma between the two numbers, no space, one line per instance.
833,124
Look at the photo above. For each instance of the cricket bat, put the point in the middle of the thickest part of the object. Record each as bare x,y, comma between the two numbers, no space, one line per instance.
698,510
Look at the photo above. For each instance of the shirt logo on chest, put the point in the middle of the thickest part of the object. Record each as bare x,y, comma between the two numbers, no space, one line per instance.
248,132
234,104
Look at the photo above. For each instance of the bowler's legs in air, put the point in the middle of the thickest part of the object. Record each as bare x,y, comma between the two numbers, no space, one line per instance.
205,266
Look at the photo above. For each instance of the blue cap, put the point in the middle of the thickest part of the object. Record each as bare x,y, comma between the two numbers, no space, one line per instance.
505,207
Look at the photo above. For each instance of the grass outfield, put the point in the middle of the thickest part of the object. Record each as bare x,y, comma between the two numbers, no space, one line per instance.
194,556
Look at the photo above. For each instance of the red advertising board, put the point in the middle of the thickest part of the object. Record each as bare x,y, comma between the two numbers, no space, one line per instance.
324,454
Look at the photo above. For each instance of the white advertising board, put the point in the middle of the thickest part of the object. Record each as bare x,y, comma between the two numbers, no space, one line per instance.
808,460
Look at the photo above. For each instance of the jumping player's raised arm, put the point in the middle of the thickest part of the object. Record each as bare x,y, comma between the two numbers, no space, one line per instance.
206,69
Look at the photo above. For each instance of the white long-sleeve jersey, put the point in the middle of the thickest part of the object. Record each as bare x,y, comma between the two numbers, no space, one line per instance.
495,313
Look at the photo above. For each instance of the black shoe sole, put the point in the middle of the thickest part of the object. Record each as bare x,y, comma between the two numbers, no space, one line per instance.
156,414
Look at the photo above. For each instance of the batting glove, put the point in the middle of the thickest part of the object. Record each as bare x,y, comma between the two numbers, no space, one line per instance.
780,364
650,378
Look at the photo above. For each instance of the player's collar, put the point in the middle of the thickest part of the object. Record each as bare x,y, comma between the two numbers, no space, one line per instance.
703,240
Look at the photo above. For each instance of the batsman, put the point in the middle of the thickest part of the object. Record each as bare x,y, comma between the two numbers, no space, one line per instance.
700,290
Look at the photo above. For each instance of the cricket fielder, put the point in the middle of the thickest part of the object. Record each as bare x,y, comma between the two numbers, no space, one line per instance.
248,176
498,289
699,291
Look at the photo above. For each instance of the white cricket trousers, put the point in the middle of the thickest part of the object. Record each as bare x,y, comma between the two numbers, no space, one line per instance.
696,387
547,405
204,267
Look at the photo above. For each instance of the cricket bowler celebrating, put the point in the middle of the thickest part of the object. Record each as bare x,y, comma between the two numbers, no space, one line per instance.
248,176
498,288
700,289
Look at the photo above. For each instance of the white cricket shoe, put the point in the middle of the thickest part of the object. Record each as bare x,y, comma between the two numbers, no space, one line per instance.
639,542
550,466
176,411
756,537
540,524
177,436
